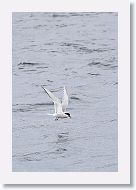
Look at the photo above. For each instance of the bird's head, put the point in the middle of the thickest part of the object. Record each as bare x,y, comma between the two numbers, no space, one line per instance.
68,114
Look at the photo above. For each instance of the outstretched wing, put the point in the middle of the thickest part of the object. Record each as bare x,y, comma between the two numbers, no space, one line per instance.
64,100
57,102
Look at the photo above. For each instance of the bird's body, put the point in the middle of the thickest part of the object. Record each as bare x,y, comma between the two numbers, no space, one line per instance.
59,107
59,115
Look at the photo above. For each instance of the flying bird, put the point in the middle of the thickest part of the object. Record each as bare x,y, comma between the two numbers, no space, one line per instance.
59,107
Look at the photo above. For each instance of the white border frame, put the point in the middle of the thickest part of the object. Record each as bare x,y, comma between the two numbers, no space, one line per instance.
123,174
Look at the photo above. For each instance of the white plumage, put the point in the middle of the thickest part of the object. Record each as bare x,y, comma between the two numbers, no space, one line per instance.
59,107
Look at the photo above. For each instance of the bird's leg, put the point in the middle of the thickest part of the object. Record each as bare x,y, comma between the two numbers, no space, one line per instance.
56,118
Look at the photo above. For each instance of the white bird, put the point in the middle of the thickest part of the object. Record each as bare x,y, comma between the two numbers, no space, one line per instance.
60,107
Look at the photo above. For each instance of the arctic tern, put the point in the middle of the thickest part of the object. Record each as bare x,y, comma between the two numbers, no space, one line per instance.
59,107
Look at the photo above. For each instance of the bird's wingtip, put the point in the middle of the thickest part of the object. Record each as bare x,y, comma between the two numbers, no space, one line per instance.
43,88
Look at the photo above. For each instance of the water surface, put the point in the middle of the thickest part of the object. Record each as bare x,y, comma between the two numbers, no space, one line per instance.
78,50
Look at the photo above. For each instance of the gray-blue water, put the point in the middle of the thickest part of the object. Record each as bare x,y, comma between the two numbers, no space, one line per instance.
80,51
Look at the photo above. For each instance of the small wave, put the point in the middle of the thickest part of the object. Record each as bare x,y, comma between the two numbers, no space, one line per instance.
49,44
113,120
66,133
74,72
61,25
74,98
83,49
114,67
61,149
70,68
40,72
70,44
20,20
32,156
28,63
43,50
49,80
94,63
37,104
79,86
55,15
37,26
53,51
102,155
34,153
116,83
29,107
21,68
63,135
21,110
62,140
33,45
93,74
30,70
105,65
42,67
25,48
102,65
104,31
75,14
43,104
87,50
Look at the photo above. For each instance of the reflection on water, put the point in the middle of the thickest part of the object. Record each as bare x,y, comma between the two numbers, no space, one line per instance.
80,51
